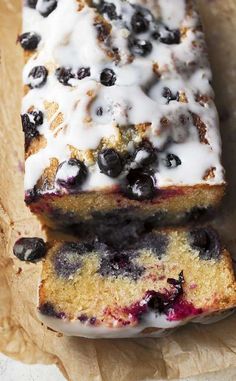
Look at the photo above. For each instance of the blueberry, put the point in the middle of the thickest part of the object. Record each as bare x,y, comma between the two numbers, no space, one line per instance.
117,264
83,318
144,156
139,185
157,302
38,117
163,302
48,309
45,7
68,259
31,3
71,174
109,9
156,34
83,72
29,40
207,242
99,111
37,77
172,161
30,122
29,249
139,23
139,47
167,93
109,162
107,77
64,74
170,37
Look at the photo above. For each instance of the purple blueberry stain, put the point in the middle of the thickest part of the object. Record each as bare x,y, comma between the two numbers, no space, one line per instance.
92,320
172,161
163,302
64,75
68,259
116,264
31,3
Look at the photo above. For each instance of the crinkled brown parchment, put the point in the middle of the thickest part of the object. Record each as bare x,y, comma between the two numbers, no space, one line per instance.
190,350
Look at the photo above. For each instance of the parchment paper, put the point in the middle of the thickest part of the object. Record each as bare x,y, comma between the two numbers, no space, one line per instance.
190,350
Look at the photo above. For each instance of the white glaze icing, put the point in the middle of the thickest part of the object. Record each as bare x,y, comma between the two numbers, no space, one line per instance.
69,38
150,320
76,328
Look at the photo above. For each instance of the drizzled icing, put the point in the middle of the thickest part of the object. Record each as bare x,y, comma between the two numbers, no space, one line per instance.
69,39
146,328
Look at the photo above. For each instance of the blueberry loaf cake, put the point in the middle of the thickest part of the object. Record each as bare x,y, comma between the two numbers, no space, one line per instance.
169,278
118,112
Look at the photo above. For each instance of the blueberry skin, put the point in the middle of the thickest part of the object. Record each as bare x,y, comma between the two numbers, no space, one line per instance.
139,47
64,74
29,249
30,127
109,9
29,40
172,161
139,185
149,156
171,37
47,7
31,3
119,264
110,163
167,93
139,22
207,242
83,72
75,181
38,73
108,77
68,259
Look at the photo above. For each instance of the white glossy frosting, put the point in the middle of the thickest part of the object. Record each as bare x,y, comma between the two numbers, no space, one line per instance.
69,38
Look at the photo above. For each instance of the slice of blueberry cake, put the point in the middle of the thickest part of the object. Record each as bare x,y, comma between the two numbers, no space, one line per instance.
168,278
118,113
